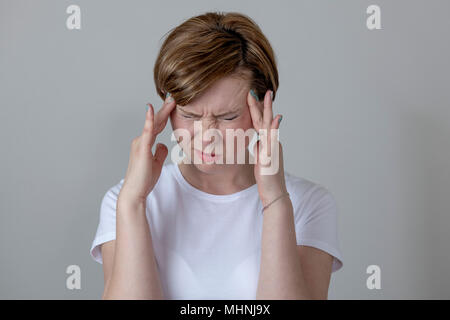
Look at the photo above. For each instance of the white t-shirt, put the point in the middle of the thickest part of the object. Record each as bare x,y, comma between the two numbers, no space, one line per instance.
209,246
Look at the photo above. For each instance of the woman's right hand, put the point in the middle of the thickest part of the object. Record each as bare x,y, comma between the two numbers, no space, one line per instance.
144,168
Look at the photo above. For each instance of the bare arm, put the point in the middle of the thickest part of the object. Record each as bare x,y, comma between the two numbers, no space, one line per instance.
129,264
288,270
107,250
316,268
134,273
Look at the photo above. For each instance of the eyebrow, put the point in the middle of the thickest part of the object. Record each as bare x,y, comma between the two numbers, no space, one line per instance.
216,115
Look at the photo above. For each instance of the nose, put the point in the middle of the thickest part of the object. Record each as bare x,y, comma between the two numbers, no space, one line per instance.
209,131
208,124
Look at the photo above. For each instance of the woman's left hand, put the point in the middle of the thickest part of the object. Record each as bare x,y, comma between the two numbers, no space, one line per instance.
269,171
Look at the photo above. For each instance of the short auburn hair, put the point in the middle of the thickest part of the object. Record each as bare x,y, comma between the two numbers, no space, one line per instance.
210,46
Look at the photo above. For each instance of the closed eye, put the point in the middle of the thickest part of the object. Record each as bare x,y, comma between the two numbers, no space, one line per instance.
188,116
231,118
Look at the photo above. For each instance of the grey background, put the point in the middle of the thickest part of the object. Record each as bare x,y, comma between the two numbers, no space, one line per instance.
366,114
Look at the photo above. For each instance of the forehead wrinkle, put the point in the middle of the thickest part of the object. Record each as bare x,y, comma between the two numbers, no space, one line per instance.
234,101
235,105
186,111
235,108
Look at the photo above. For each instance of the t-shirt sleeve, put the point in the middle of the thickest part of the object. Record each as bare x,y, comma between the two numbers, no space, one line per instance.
316,223
106,229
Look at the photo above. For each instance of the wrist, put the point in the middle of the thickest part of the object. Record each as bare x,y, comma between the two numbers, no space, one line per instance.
271,194
130,202
282,197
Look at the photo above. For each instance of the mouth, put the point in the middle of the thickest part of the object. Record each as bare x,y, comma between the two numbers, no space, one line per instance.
206,157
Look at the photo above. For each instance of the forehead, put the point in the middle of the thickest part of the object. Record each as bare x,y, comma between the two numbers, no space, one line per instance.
229,93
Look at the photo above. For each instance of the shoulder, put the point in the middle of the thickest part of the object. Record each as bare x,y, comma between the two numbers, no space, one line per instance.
168,170
168,177
315,216
306,193
112,193
167,174
302,187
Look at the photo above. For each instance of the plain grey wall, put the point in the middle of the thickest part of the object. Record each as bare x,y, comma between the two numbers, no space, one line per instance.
366,114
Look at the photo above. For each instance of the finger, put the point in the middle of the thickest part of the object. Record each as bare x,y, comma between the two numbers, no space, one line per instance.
160,153
147,132
256,151
159,157
268,113
274,126
264,145
255,111
276,122
163,114
262,152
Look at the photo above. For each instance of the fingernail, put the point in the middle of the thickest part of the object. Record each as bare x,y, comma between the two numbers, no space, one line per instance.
146,108
271,95
279,119
254,94
167,97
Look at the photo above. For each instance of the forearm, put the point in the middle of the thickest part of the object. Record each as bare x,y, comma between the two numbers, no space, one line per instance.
134,273
281,275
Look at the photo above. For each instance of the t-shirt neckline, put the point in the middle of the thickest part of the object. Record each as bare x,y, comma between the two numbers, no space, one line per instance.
209,196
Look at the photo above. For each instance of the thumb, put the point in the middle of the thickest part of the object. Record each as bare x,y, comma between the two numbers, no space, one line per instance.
159,157
256,149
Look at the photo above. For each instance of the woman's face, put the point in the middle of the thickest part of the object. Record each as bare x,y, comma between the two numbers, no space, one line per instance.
223,106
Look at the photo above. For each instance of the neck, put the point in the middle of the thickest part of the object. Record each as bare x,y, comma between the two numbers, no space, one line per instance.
229,179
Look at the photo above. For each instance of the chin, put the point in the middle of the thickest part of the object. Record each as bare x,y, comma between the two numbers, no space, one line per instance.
209,168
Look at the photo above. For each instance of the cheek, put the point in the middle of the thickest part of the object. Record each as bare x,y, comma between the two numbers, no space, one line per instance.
178,123
244,122
182,128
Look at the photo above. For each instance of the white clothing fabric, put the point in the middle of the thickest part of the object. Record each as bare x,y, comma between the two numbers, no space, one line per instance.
209,246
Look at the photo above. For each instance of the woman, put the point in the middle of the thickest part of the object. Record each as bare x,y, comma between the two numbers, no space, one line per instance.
206,228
